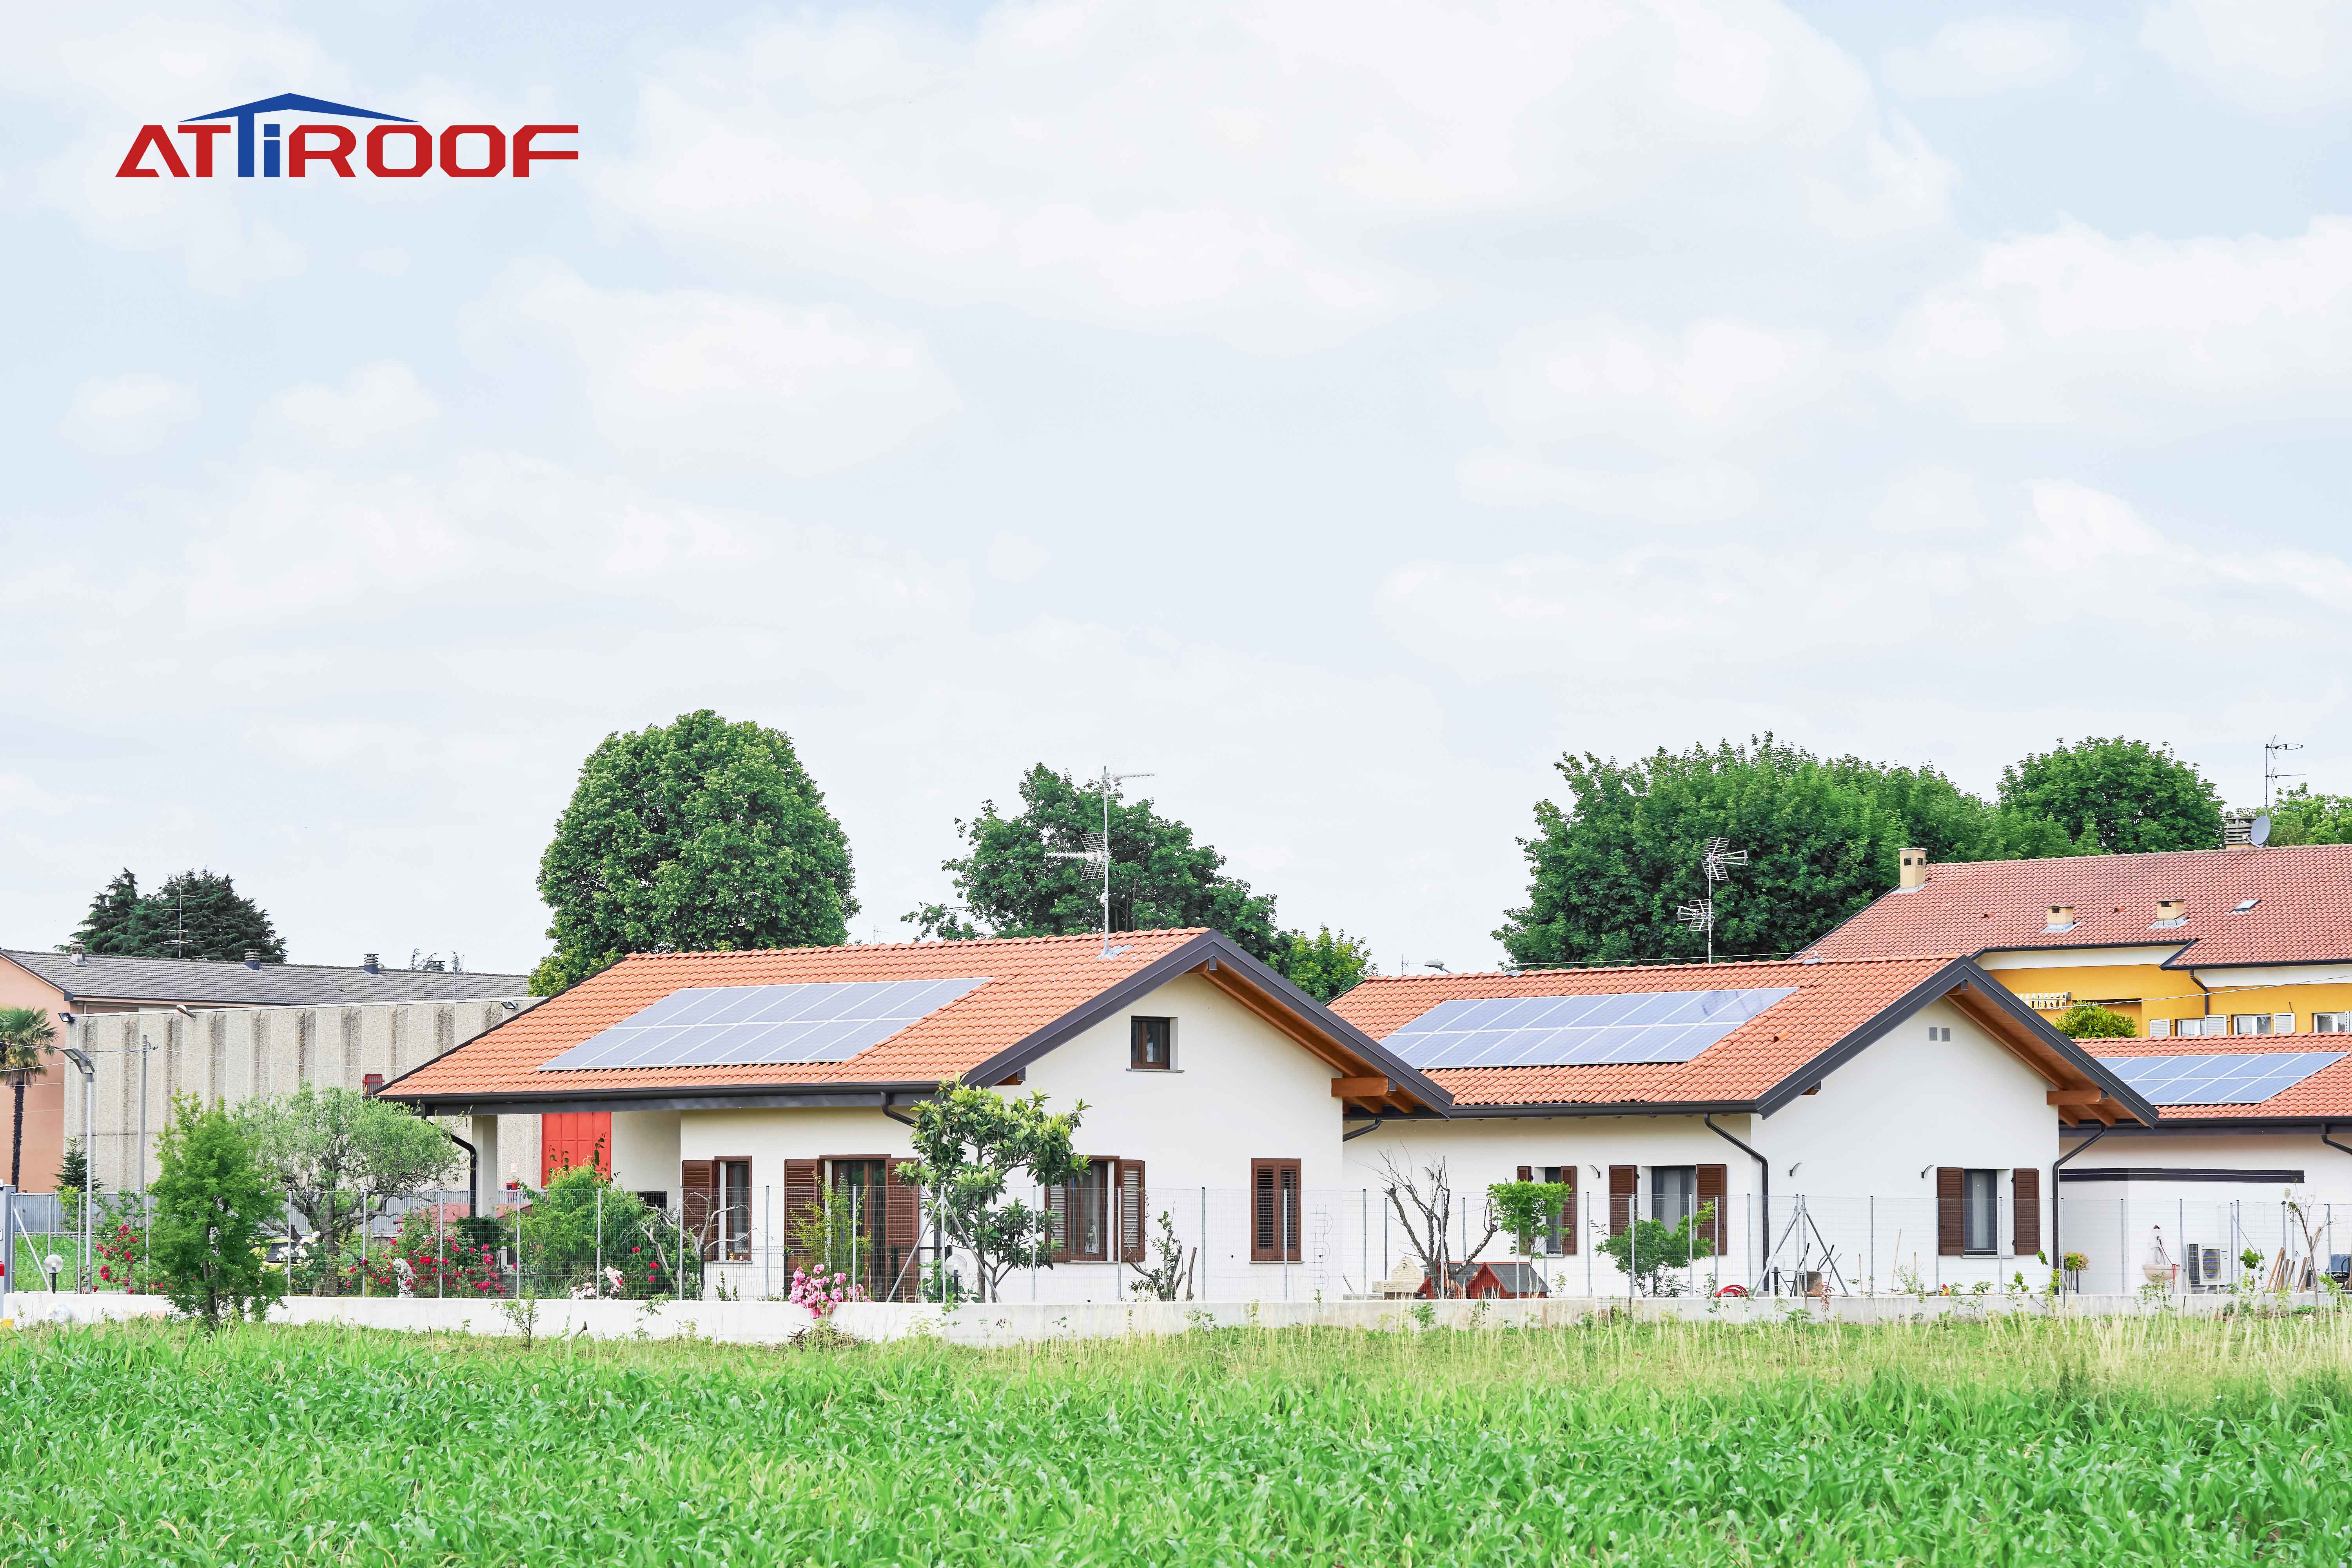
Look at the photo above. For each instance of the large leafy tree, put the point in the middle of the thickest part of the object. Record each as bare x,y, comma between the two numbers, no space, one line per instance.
1008,883
2300,816
340,1157
195,914
1610,870
2115,796
698,834
1326,966
213,1203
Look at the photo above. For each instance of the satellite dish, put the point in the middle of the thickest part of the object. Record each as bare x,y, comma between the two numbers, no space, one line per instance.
2258,833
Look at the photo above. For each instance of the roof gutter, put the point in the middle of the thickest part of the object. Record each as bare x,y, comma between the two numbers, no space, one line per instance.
1763,1176
2326,1130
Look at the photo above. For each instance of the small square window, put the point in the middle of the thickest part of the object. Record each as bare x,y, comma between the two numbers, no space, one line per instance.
2250,1022
1153,1046
1939,1031
2331,1023
2159,1028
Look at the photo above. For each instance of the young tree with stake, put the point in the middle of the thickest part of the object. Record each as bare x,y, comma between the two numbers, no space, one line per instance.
970,1143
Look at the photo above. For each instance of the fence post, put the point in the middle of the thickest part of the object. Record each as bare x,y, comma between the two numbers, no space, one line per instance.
600,1238
1203,1254
440,1245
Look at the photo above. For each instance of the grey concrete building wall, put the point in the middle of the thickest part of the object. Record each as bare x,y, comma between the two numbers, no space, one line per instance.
236,1053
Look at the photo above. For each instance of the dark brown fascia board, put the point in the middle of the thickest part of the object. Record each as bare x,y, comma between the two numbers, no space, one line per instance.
1182,960
2211,1125
2179,1174
1607,1108
752,1099
1958,972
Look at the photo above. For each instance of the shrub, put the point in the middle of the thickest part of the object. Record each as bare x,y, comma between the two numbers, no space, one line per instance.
212,1201
2089,1021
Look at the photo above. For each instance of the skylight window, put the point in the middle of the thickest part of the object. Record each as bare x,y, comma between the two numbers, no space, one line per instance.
2243,905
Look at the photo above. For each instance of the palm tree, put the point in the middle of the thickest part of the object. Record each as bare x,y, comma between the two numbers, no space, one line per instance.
23,1032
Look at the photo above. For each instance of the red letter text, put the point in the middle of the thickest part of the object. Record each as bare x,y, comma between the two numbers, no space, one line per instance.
203,135
525,154
422,138
297,156
151,136
497,163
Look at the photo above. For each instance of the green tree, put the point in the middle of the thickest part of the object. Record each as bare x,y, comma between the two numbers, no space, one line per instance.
968,1145
340,1157
213,1202
2088,1021
24,1031
2116,796
1010,884
194,914
694,835
2299,816
1326,966
1647,1247
1609,872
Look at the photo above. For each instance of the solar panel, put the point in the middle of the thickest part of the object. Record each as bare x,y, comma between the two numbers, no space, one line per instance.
1577,1031
2243,1078
751,1026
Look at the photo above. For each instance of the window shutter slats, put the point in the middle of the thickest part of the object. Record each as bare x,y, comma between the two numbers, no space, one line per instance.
1949,1235
698,1182
1715,1187
2025,1192
1624,1181
1568,1224
1130,1211
1274,1211
1058,1223
902,1233
800,1197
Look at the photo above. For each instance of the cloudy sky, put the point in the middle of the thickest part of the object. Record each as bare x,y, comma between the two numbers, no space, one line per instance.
1338,411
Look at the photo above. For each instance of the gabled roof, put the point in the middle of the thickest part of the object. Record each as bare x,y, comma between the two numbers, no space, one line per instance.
1835,1011
2324,1096
109,977
2304,913
1039,991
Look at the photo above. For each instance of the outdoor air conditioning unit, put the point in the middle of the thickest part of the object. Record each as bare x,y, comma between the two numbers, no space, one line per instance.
2205,1268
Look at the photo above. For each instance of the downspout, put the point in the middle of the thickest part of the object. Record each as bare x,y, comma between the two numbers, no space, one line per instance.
2326,1128
1377,1122
2057,1256
473,1172
1763,1176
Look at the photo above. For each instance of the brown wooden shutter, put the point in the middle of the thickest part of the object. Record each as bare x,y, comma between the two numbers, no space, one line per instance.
1951,1234
1569,1223
1274,1211
1624,1181
1715,1187
800,1197
902,1233
1058,1223
2025,1188
698,1182
1127,1210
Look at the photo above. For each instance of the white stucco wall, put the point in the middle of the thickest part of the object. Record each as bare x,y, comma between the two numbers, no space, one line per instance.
646,1150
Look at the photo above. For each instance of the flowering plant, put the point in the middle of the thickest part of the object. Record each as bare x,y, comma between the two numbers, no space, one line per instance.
436,1262
821,1293
122,1257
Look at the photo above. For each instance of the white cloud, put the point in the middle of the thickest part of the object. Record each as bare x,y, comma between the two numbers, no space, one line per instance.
1664,492
1930,500
121,415
2072,328
1240,167
1984,54
377,403
682,375
2272,56
1015,557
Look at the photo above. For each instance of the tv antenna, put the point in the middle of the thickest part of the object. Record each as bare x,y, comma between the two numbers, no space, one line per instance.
1094,853
1715,864
1436,964
2271,749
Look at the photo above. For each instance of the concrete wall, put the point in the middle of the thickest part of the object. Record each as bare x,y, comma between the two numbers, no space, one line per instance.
235,1054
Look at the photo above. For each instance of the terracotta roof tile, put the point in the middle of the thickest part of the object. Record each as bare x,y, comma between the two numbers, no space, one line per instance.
1832,1001
1032,982
2327,1092
2304,915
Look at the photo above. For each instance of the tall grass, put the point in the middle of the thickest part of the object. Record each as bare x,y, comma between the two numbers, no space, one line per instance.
2006,1442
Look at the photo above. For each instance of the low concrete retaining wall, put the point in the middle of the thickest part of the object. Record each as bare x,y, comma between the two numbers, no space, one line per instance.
1009,1323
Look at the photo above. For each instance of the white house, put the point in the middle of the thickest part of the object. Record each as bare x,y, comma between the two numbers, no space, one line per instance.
1840,1118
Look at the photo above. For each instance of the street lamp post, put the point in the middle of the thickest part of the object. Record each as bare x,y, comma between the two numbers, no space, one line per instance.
88,1069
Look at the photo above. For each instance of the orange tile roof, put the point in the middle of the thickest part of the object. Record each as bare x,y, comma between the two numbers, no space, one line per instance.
2304,915
1832,1001
2325,1093
1032,982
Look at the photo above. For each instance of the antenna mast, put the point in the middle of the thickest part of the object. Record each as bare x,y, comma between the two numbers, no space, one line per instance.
1713,864
2272,747
1095,855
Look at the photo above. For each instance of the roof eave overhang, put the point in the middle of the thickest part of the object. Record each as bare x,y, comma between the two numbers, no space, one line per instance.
2175,1126
667,1096
1609,1108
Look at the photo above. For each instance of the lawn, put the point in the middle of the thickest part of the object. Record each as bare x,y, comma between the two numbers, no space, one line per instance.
2087,1442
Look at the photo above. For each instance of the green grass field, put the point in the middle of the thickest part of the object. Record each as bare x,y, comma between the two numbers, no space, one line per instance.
2084,1443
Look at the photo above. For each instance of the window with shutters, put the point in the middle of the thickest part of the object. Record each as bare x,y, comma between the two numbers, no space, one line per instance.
1079,1214
1673,1194
1558,1239
730,1222
1152,1047
1980,1212
1274,1211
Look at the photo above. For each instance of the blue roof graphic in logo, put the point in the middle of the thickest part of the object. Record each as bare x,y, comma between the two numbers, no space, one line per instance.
244,112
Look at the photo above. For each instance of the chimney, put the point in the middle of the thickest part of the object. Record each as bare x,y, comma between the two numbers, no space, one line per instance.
253,958
370,1083
2171,912
369,963
79,957
2062,917
1915,869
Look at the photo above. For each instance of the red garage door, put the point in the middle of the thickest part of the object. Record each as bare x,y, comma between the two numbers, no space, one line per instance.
574,1138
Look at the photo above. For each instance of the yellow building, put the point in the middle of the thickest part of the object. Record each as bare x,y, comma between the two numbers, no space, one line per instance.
2243,940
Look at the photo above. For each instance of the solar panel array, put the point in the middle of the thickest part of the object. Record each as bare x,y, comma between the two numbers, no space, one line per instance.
751,1026
2239,1080
1577,1031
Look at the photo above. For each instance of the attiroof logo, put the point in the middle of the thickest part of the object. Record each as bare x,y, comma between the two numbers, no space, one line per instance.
396,149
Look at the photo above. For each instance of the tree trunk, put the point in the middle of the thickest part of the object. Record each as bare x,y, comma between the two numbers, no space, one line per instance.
16,1141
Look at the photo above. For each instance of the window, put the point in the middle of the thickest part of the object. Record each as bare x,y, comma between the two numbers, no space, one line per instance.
1274,1211
2159,1028
2243,905
1939,1031
2262,1024
1154,1044
1674,1192
734,1215
1980,1212
2216,1025
2331,1023
1077,1215
1557,1237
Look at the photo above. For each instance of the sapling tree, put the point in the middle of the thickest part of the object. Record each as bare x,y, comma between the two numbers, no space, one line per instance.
1527,1209
1424,1203
969,1144
1170,1270
213,1201
1647,1249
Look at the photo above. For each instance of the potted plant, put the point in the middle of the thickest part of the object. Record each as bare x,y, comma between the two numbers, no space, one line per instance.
2073,1263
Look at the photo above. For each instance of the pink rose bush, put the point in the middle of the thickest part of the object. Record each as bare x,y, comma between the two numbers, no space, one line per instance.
821,1293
